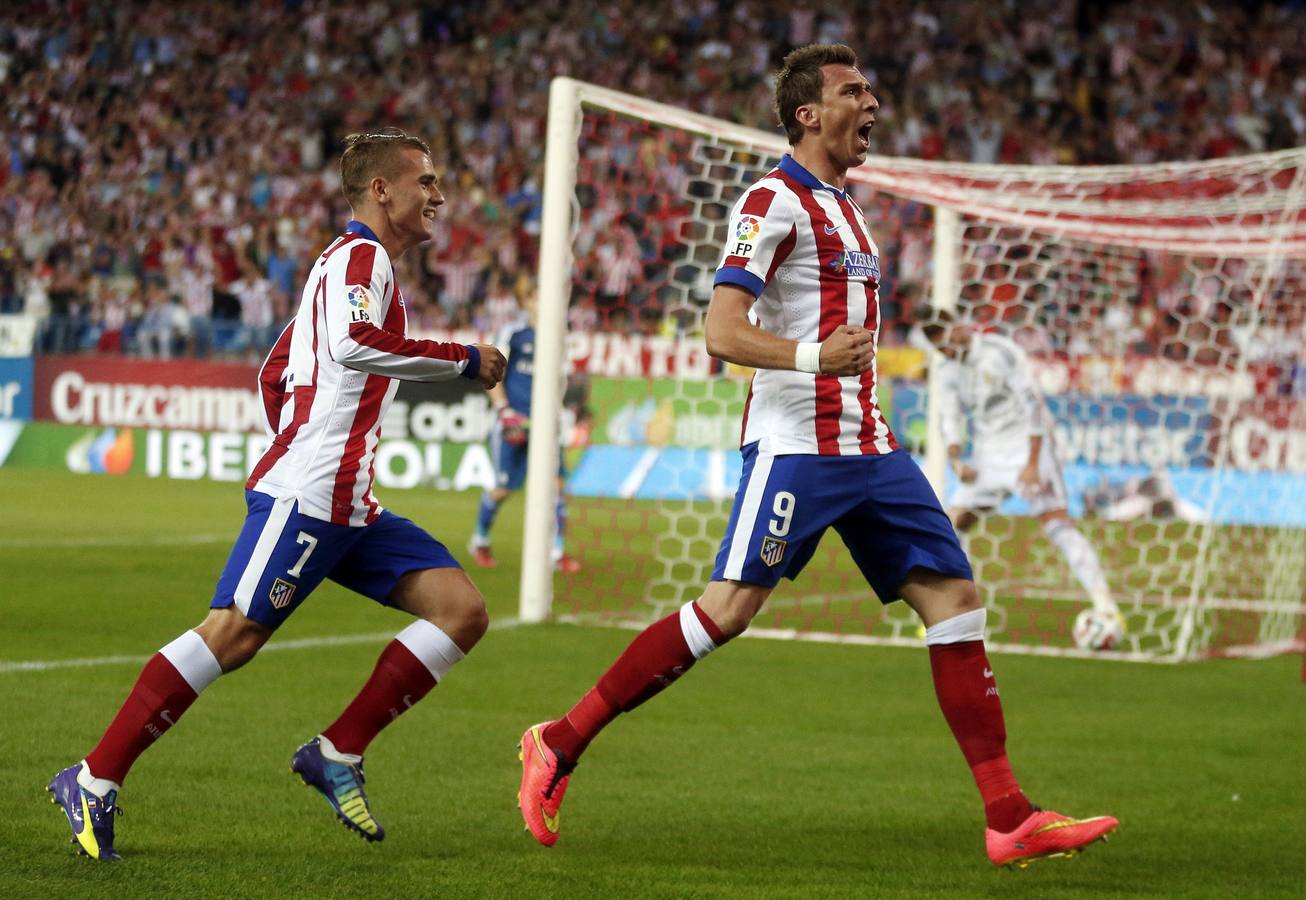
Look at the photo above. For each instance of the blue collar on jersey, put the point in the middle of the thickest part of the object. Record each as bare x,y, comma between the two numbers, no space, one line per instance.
357,227
791,168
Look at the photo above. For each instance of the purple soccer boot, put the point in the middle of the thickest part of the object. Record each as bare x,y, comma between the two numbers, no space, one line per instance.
342,786
90,817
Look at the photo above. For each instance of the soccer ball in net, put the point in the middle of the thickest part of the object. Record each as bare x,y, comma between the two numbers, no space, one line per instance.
1097,629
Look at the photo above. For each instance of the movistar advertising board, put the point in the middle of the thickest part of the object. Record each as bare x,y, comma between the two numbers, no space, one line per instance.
662,439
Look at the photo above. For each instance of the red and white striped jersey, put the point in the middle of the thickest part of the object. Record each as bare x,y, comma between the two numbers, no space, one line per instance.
802,248
330,378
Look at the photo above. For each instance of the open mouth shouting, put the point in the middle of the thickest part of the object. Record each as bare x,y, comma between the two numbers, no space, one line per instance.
864,136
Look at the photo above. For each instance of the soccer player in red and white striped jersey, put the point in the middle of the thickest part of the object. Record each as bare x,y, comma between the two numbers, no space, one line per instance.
311,514
796,297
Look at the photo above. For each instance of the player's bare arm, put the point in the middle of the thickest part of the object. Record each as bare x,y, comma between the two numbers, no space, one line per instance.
1029,474
499,398
493,364
963,472
733,338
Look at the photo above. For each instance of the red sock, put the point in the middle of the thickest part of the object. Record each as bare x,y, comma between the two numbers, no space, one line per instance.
656,657
399,680
571,734
968,696
154,705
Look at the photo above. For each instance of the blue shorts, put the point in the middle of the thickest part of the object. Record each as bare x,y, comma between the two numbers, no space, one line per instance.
281,556
882,506
510,460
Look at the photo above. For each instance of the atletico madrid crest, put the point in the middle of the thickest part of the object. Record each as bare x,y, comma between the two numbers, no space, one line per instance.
281,593
773,550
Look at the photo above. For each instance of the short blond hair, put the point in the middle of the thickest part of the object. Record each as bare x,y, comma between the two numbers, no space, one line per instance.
370,155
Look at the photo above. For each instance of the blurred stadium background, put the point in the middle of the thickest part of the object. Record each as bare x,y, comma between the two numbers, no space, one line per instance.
167,171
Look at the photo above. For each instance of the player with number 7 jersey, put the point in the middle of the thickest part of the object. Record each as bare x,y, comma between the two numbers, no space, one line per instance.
796,298
312,516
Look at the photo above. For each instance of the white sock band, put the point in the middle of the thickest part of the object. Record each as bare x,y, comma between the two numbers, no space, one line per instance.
969,626
696,636
433,647
807,358
193,659
100,787
330,752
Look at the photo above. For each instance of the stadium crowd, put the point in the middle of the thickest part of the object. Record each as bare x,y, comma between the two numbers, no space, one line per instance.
167,168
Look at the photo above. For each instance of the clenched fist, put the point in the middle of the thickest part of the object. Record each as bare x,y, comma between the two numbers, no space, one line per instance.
849,351
492,365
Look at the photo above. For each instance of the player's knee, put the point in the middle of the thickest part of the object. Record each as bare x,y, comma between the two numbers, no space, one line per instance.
463,616
937,598
476,618
735,621
957,598
965,596
238,653
232,637
732,607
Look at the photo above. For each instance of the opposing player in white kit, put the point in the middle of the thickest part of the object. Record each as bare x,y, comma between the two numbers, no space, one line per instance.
987,381
326,387
818,454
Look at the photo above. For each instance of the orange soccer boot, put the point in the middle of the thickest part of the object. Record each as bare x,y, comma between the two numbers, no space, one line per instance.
544,779
1045,835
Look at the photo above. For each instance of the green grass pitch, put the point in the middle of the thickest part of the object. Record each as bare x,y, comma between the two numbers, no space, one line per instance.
776,769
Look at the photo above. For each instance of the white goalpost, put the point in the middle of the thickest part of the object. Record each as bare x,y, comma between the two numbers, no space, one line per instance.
1162,308
551,319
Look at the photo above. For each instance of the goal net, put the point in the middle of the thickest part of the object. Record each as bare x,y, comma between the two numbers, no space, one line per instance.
1161,307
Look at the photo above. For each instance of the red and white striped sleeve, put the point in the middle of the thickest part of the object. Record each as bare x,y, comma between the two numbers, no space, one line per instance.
762,232
272,378
365,325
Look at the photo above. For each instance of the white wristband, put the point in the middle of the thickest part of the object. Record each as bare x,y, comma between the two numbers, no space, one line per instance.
807,358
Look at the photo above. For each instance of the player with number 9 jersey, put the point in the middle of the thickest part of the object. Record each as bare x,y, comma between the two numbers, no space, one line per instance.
796,297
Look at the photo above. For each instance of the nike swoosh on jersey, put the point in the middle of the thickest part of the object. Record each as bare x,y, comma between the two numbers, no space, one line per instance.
831,229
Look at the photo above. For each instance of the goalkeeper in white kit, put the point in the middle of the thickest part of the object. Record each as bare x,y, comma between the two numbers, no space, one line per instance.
987,381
